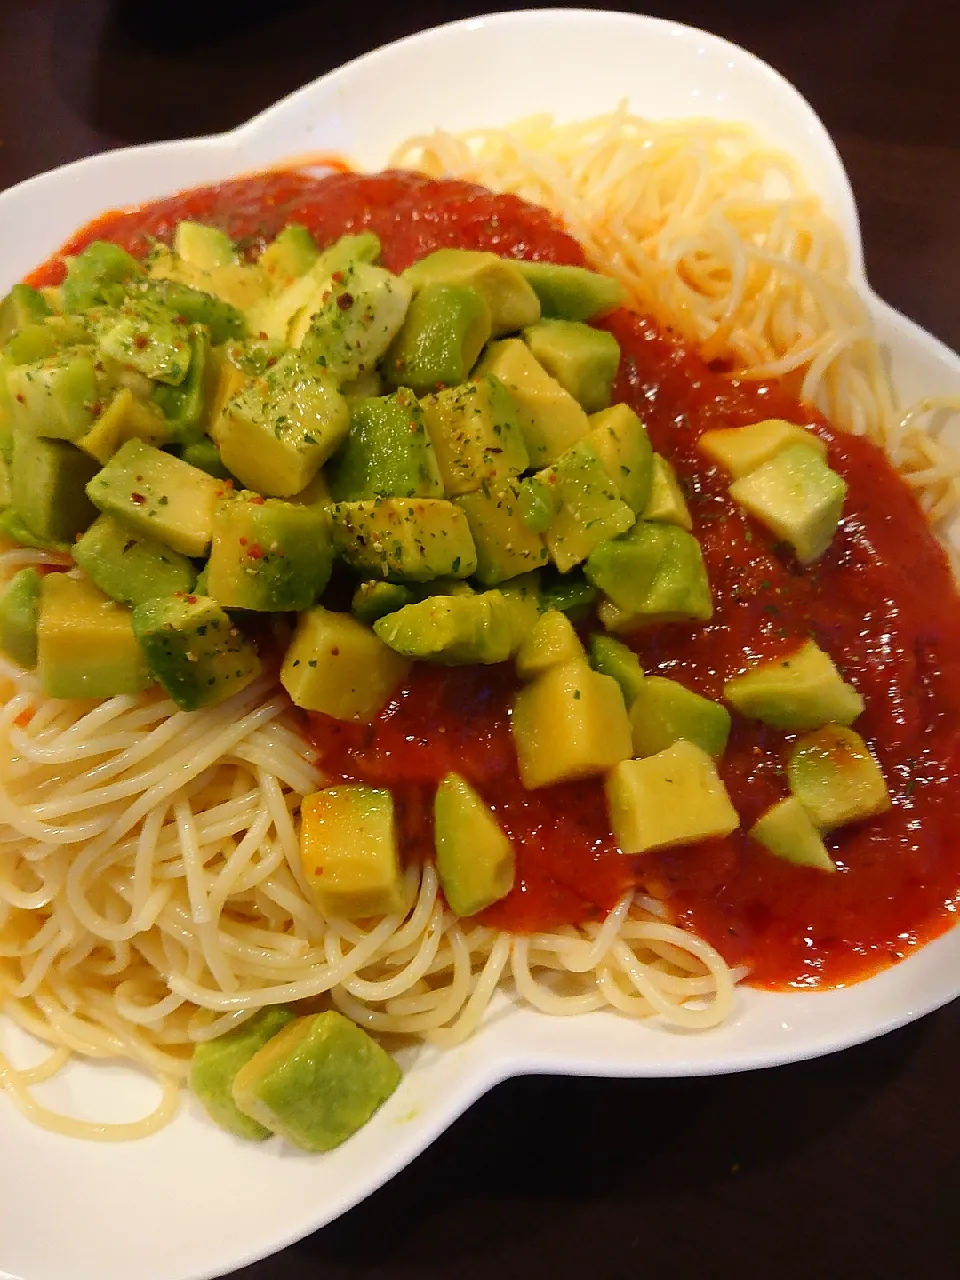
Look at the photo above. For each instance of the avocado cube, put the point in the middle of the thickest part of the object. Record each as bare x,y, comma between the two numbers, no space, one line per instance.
186,406
521,595
454,630
833,774
570,722
654,573
613,658
550,419
57,398
665,502
674,797
145,336
444,331
130,567
47,479
505,546
203,246
664,711
800,690
85,642
374,600
413,539
572,293
357,320
268,555
317,1082
19,605
387,452
336,665
195,306
158,495
194,650
216,1063
588,508
475,860
476,434
786,831
125,418
583,360
96,276
13,528
797,497
620,441
289,256
349,851
550,642
741,450
500,282
24,306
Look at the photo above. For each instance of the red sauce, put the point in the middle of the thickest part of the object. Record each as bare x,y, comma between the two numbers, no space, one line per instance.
881,601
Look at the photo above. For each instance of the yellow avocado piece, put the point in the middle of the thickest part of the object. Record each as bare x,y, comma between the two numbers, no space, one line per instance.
786,831
349,852
740,450
675,797
217,1062
506,547
550,642
336,665
125,418
570,722
833,774
550,419
797,497
511,300
476,435
417,539
85,642
475,859
800,690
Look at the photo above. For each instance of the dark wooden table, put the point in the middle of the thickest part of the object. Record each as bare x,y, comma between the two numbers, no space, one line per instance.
847,1167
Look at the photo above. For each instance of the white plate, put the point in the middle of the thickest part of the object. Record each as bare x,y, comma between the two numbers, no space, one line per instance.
192,1202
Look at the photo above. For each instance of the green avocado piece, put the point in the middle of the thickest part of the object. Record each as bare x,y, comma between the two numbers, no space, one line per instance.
414,539
217,1061
317,1082
499,281
125,418
12,527
19,604
444,331
505,545
572,293
130,567
550,419
521,595
57,398
475,861
741,450
289,256
205,456
568,592
797,497
665,501
620,441
356,322
96,277
549,642
22,306
185,407
195,306
475,429
47,479
147,337
664,711
85,642
453,630
387,452
194,649
583,360
800,690
785,830
336,665
203,246
654,573
833,774
613,658
373,600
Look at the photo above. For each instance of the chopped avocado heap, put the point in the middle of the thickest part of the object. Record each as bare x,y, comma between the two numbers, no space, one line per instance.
349,851
797,497
217,1062
475,859
800,690
786,831
833,774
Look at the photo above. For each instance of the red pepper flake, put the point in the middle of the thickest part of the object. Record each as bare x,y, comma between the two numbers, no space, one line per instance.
345,301
254,551
338,277
271,361
335,653
138,499
191,599
262,335
257,500
141,341
243,542
21,398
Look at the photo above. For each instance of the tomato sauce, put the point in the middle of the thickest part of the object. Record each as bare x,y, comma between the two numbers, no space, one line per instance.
881,601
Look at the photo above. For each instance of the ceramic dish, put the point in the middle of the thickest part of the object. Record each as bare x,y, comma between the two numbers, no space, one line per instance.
84,1210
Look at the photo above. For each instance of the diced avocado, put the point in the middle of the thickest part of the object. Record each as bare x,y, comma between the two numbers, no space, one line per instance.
583,360
194,306
13,528
158,495
444,331
85,642
665,711
317,1082
522,598
203,246
96,276
289,256
125,418
277,431
476,435
216,1063
785,830
368,384
499,281
349,851
24,306
414,539
833,774
34,342
550,642
620,441
654,573
568,592
186,406
741,450
19,604
241,285
268,555
550,419
387,452
147,337
570,722
194,649
800,690
674,797
373,600
587,507
613,658
357,321
47,479
454,630
205,456
572,293
797,497
130,567
505,545
476,864
57,398
666,503
336,665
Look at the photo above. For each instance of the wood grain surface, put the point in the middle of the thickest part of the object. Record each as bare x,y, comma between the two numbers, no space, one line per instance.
839,1169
